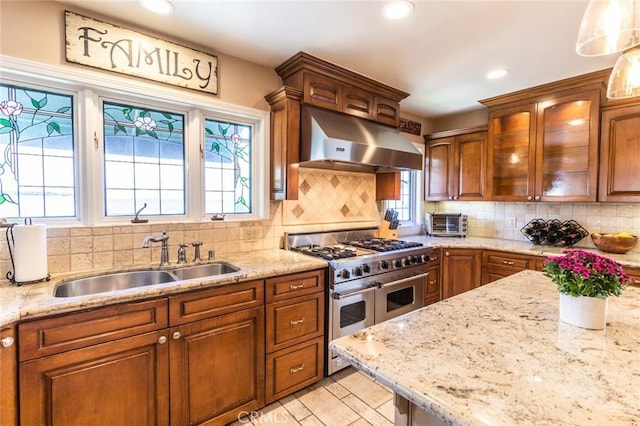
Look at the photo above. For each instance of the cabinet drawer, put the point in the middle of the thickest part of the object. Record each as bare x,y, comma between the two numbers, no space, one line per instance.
294,285
634,273
506,260
58,334
294,368
203,304
322,91
294,321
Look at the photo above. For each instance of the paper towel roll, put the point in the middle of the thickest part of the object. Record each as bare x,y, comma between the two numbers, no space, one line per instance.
30,252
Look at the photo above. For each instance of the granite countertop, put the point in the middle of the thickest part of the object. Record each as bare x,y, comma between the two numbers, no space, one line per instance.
36,300
499,355
523,247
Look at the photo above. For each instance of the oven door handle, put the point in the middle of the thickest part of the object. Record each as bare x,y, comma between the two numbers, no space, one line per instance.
404,280
339,296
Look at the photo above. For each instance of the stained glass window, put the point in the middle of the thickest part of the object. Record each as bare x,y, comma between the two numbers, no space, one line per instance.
227,168
144,161
37,159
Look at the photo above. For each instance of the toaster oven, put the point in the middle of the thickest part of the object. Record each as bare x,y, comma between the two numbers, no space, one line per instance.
446,224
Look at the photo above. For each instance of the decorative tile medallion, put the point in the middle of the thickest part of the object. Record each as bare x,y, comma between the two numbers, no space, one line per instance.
305,187
364,197
297,211
335,181
345,210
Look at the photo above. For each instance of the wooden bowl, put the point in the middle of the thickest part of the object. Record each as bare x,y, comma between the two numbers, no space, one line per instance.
611,243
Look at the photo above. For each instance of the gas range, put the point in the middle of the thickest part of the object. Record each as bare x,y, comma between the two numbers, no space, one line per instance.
357,254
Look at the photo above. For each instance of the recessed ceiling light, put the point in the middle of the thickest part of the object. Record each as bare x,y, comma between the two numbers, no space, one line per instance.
497,73
161,7
397,9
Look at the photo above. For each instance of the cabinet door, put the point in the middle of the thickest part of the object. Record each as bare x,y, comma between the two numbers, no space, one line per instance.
567,150
511,153
124,382
357,102
634,273
8,377
439,165
469,166
217,368
620,155
323,92
386,111
432,292
461,270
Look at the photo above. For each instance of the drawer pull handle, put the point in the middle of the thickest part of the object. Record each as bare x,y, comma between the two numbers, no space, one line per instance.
296,287
296,322
434,282
176,335
162,340
508,262
296,369
7,342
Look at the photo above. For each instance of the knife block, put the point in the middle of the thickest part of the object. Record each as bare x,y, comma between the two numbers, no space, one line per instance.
385,232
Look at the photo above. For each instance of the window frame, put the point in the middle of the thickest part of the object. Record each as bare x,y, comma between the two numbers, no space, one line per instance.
89,87
416,199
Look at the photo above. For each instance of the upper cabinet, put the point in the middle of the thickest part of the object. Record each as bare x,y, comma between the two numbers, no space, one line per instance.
620,154
455,165
313,81
543,142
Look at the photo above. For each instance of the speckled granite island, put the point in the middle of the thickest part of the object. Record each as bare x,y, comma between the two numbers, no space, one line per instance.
498,355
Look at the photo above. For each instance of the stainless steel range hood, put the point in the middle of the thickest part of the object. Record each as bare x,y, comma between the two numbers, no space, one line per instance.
332,140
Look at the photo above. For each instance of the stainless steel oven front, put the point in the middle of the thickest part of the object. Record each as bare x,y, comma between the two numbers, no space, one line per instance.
402,292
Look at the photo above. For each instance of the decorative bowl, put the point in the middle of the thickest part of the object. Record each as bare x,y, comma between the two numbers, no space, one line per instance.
614,243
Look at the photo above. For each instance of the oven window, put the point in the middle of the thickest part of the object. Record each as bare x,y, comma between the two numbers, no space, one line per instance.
399,299
352,313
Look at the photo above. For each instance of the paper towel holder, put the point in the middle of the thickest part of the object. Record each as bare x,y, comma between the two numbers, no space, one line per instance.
11,242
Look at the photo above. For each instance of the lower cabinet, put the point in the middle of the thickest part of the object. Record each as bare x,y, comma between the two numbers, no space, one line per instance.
187,359
634,273
125,382
217,368
432,292
295,332
461,270
499,264
8,377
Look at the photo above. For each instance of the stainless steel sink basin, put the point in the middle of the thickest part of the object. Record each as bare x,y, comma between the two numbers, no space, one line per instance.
200,271
112,282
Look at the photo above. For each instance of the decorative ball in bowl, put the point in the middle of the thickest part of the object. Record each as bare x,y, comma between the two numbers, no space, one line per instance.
618,243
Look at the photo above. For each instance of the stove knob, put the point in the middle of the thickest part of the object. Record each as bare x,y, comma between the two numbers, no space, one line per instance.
397,263
357,271
414,259
366,269
406,261
425,258
344,274
384,265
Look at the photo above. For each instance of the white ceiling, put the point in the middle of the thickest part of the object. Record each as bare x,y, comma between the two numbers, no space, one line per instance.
439,55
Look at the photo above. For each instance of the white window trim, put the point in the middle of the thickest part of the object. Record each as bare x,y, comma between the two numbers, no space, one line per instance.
90,86
417,205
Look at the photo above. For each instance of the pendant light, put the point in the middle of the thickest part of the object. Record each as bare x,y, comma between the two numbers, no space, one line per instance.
610,26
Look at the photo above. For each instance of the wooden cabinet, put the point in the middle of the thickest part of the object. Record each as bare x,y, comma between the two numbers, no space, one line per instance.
285,143
620,154
433,290
8,376
313,81
217,353
543,142
295,315
455,165
499,264
461,271
122,379
634,273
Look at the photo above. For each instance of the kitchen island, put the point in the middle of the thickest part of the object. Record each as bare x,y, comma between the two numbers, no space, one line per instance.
499,355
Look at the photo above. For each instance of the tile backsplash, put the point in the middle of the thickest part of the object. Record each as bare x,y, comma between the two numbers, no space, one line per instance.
505,219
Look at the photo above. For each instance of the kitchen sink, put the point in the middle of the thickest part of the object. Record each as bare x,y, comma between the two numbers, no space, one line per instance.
112,282
200,271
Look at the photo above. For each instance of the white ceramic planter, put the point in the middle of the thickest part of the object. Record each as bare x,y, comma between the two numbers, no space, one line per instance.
584,312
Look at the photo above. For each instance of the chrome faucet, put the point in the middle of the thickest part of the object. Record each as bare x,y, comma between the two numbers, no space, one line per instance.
164,238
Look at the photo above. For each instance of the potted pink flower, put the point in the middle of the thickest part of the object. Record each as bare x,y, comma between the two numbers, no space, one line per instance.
585,280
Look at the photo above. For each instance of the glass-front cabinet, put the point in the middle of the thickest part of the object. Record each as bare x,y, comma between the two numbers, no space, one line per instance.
546,150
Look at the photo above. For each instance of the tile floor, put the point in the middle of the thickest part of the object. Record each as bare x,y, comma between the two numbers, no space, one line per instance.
347,398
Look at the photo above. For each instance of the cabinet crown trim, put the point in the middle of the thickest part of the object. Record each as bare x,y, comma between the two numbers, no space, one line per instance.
304,61
454,132
283,92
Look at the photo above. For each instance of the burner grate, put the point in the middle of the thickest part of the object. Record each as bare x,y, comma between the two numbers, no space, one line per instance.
384,244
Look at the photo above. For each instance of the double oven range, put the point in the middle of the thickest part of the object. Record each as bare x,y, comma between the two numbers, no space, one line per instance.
370,279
